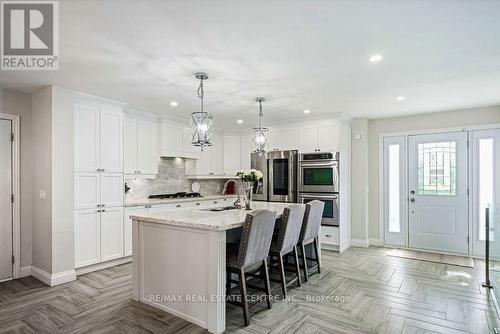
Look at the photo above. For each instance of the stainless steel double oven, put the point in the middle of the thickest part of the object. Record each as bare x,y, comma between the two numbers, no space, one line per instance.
318,178
279,183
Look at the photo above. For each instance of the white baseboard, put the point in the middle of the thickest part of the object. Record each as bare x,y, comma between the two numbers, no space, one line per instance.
104,265
360,243
376,242
25,271
344,248
329,247
53,279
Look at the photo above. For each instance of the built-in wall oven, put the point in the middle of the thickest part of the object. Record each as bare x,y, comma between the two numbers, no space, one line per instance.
319,180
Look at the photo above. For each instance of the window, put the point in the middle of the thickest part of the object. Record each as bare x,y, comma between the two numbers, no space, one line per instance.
394,195
437,168
485,182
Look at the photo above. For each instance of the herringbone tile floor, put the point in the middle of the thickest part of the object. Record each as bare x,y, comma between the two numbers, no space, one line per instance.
383,295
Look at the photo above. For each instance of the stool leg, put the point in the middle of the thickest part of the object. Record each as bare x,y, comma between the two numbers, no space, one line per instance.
297,265
316,249
244,301
268,284
306,275
282,274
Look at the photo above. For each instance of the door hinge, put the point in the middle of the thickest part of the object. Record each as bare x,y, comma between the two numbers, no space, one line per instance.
467,239
467,191
13,259
12,136
12,198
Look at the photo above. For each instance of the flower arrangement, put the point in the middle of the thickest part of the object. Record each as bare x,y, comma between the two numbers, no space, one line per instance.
250,177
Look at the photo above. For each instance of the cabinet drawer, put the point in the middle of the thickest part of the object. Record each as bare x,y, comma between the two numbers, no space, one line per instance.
329,235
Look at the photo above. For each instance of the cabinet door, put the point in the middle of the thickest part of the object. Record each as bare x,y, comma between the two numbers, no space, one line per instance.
245,151
231,154
86,128
130,145
171,140
111,233
286,139
147,158
308,138
203,163
127,227
216,157
187,146
111,189
87,237
111,139
328,137
87,194
157,209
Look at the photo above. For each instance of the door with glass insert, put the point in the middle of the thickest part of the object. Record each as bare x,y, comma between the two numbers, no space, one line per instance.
437,192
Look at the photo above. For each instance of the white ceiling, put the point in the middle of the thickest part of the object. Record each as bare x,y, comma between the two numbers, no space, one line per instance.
298,54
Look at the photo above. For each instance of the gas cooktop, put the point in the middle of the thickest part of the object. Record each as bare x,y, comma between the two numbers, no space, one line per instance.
175,195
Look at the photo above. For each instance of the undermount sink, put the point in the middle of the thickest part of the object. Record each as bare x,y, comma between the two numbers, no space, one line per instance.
224,208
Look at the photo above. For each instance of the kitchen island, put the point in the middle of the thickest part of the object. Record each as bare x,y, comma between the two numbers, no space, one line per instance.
179,261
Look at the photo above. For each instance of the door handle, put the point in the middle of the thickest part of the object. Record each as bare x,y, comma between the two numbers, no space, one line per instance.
412,200
412,192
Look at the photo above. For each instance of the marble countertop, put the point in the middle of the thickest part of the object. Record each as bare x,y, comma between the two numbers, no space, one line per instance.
147,201
204,219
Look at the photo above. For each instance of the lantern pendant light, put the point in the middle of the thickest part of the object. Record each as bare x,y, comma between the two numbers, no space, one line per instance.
259,137
201,121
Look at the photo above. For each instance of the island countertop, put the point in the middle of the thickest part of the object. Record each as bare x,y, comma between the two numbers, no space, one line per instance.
204,219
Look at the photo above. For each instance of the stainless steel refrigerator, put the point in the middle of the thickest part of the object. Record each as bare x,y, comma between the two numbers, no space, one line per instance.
279,183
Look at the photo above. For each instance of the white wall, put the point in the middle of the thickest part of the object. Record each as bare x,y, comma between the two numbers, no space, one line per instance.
42,178
359,183
439,120
20,104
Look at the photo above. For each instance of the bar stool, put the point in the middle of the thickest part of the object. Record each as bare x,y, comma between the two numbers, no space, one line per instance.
285,242
250,255
309,235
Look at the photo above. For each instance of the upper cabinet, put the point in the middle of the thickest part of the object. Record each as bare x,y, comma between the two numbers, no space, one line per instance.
246,151
176,141
232,159
283,139
211,160
98,138
140,147
322,136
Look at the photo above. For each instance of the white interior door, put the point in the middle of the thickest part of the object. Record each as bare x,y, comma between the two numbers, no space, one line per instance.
438,214
5,200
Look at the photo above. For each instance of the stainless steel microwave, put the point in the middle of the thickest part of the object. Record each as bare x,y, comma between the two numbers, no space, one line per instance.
319,172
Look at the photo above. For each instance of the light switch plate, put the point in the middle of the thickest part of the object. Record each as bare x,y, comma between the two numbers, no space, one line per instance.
42,194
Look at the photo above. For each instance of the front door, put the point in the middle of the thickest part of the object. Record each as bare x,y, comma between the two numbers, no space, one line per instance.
5,199
437,192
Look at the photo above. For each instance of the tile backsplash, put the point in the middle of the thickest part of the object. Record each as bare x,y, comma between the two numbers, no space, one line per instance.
171,178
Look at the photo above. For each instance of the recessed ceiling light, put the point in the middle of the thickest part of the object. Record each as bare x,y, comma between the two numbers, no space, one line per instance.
307,111
174,104
376,58
239,121
401,98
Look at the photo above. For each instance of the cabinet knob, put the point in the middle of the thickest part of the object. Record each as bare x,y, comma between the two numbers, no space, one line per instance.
197,204
98,169
328,236
178,206
139,172
215,202
102,169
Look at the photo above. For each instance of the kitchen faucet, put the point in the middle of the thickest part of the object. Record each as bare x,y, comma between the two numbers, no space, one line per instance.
238,187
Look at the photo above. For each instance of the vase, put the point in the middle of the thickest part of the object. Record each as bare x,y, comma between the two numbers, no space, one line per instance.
248,195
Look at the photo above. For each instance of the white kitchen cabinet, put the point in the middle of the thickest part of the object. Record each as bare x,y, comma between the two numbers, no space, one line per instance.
245,151
283,139
319,136
147,155
127,227
329,236
111,189
217,156
140,147
86,136
130,145
111,139
176,140
93,190
87,194
232,149
111,233
87,237
203,163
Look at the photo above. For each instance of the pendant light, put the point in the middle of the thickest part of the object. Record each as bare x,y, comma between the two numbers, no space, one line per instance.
202,121
259,137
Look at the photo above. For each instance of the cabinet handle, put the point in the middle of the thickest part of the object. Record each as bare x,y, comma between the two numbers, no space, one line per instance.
328,236
215,202
103,210
102,169
178,206
147,206
139,172
98,210
197,204
98,169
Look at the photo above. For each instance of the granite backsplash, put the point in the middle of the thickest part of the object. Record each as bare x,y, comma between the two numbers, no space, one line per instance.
171,178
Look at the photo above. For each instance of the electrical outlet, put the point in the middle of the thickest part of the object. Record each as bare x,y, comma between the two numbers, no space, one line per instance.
42,195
